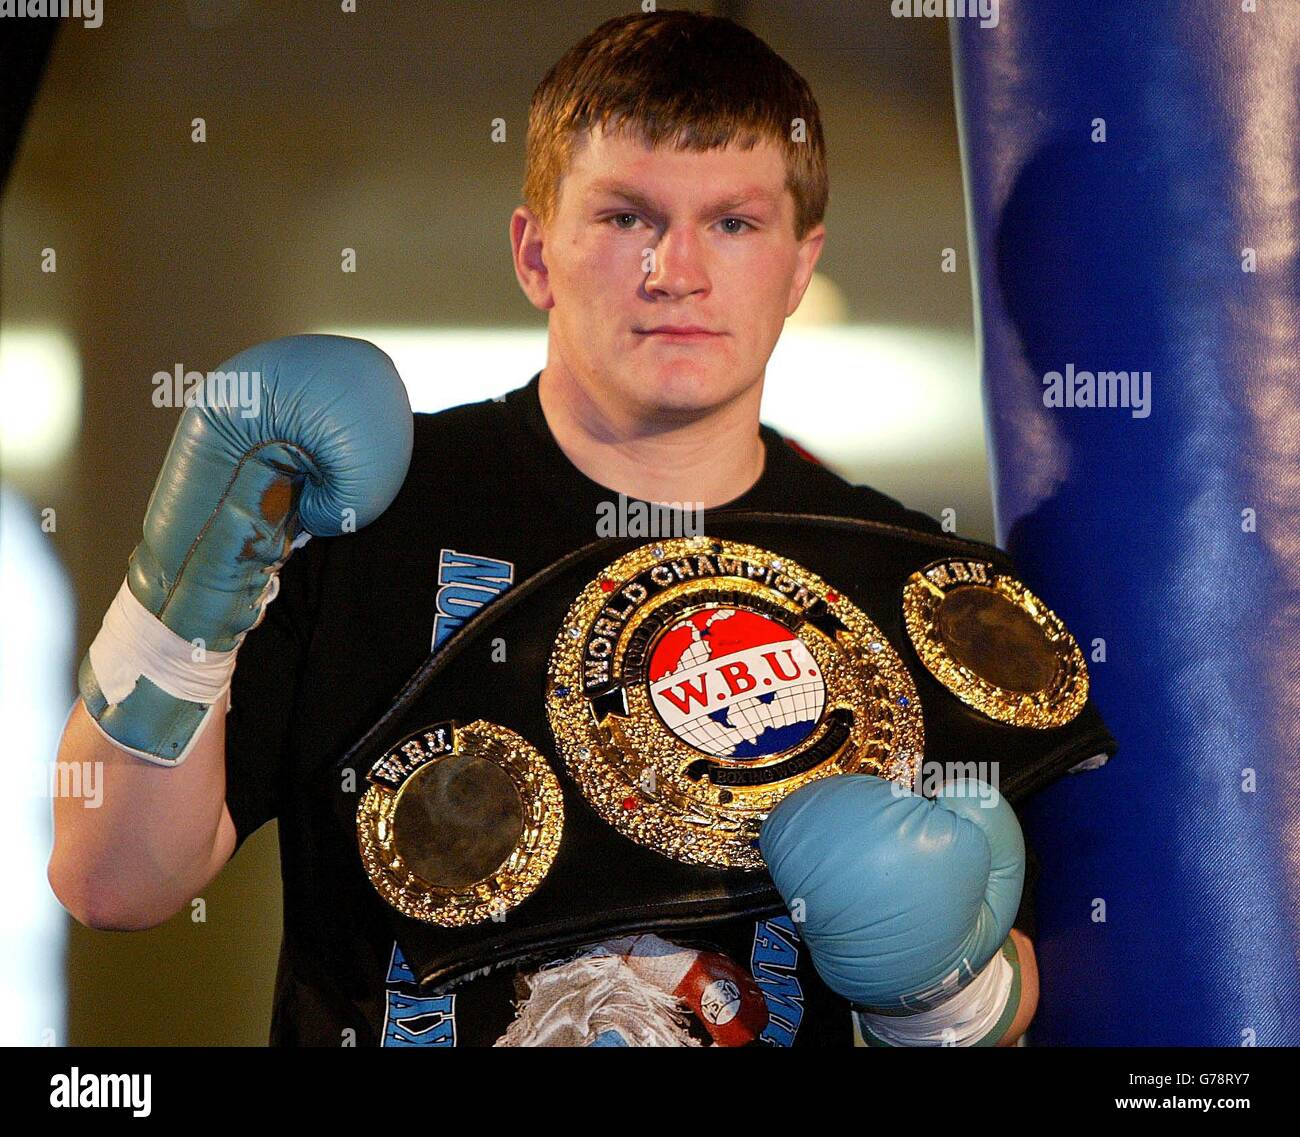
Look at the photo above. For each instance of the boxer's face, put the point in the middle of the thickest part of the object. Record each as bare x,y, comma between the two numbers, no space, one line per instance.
647,241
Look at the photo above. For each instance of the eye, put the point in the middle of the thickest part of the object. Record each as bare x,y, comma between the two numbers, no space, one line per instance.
736,221
619,216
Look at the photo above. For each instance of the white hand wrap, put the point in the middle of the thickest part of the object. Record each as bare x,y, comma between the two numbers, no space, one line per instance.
961,1020
133,642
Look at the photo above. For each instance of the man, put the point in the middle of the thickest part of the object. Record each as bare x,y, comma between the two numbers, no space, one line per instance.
668,251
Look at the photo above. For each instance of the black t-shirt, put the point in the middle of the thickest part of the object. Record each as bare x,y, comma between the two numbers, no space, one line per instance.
489,500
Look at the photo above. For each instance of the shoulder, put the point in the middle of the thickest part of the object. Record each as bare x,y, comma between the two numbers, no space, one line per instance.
469,420
456,455
828,492
462,442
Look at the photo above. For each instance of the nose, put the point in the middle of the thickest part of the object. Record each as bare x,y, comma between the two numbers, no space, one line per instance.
677,265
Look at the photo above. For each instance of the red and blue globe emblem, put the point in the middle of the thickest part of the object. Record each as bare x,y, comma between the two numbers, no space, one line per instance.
735,683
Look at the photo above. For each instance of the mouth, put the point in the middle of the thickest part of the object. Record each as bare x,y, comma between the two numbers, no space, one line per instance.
685,333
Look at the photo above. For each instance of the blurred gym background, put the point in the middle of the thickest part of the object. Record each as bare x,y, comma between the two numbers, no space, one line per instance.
128,248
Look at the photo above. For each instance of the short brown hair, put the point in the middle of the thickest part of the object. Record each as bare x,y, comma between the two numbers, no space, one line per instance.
693,80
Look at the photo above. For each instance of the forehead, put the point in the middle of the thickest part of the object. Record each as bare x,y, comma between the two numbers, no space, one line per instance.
605,164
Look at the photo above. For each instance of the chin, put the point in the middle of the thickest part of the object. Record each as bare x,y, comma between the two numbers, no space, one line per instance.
685,387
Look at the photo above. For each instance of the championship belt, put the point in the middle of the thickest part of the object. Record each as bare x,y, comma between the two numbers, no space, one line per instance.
594,752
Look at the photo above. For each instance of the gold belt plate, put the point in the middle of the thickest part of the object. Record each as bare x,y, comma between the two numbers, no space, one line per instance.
695,682
994,644
459,824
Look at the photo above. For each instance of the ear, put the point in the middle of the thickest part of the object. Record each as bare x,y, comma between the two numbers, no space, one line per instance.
528,241
810,251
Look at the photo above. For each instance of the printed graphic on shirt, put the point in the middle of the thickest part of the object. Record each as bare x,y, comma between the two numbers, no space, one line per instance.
416,1020
466,581
774,962
638,991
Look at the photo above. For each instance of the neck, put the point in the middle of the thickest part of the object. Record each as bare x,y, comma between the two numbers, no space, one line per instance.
712,459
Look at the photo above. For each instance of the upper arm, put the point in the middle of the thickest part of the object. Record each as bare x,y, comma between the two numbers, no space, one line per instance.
227,840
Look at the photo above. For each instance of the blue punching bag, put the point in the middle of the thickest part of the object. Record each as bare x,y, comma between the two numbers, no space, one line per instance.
1133,180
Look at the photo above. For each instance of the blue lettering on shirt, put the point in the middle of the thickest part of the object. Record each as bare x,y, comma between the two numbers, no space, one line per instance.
416,1020
773,962
466,582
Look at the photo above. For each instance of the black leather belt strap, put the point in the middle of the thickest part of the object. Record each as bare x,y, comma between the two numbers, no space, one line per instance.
601,883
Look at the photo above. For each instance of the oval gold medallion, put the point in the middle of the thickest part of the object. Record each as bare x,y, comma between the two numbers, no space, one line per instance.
459,823
697,681
994,644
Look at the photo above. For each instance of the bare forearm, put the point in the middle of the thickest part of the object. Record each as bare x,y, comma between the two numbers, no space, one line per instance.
1028,989
136,841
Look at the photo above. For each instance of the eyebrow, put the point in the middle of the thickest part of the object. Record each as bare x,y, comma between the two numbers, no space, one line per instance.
637,198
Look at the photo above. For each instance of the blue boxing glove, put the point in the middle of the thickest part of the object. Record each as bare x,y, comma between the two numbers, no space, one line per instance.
322,449
904,901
